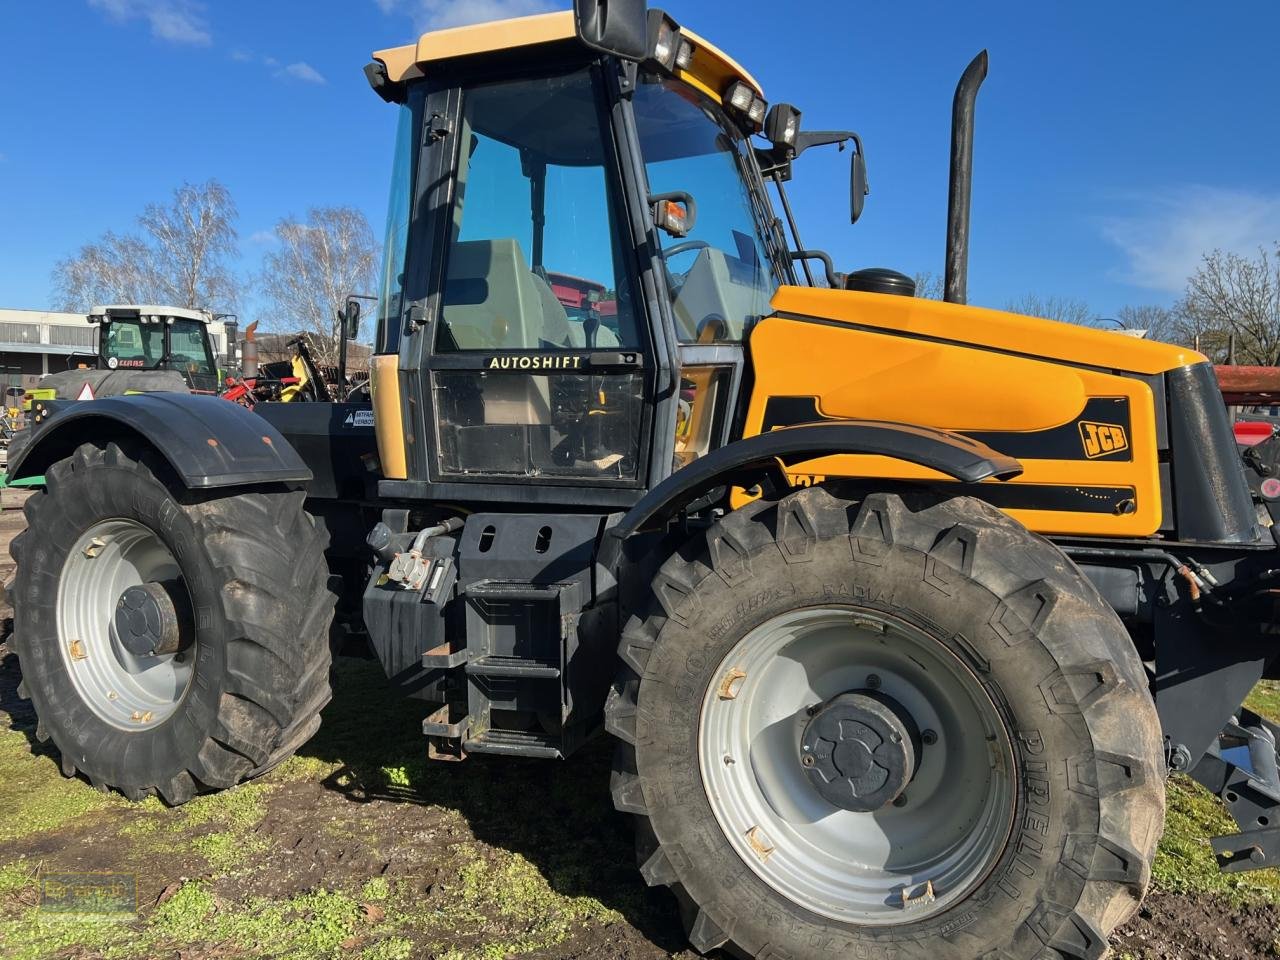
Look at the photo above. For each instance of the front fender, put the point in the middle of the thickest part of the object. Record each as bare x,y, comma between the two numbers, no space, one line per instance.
744,462
209,442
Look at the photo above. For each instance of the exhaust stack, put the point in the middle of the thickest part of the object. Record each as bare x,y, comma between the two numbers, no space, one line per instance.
961,182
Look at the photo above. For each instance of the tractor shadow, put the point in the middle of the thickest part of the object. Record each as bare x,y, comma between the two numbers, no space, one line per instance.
21,715
558,815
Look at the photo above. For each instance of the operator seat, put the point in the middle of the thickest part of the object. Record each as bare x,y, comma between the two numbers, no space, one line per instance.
493,301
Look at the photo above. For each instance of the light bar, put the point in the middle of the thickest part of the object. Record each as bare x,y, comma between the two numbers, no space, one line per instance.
741,99
782,125
666,46
684,57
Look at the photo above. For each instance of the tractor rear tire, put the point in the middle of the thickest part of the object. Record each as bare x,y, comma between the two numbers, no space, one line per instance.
239,670
898,727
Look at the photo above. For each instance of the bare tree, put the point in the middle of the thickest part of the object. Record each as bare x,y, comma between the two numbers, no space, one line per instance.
181,257
1158,323
306,280
929,285
1064,309
1234,295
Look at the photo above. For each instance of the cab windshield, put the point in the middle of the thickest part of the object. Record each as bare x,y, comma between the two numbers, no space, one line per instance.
189,349
721,275
134,343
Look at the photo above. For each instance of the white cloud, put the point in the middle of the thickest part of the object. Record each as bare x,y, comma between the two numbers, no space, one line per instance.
301,71
1167,235
439,14
263,238
177,21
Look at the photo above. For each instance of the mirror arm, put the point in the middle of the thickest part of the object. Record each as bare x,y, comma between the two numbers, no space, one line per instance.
821,138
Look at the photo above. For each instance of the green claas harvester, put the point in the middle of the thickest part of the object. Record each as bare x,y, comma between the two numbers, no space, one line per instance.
898,611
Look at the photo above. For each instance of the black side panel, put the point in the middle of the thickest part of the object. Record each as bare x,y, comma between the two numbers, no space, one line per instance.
209,442
1211,495
337,442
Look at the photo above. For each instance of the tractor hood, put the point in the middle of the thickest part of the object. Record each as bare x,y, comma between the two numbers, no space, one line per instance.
1011,333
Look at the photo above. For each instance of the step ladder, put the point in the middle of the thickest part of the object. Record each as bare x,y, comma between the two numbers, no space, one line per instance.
519,658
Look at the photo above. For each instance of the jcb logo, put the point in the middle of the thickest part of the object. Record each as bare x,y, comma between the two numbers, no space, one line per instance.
1101,439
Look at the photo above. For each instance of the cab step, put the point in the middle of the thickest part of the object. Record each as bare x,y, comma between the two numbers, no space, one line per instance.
516,743
520,667
518,675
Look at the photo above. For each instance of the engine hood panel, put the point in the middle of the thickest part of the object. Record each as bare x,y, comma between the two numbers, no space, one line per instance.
983,327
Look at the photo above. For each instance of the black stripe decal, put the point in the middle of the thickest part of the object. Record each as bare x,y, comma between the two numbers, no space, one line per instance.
1099,432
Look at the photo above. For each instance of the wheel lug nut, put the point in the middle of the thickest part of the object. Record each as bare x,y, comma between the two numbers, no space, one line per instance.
806,761
873,682
900,800
928,738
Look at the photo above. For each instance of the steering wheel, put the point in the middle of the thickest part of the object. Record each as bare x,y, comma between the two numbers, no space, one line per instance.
688,245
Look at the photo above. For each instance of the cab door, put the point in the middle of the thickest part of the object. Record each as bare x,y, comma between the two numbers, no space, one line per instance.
535,359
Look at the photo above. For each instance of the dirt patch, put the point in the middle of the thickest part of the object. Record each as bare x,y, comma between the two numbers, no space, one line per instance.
1198,927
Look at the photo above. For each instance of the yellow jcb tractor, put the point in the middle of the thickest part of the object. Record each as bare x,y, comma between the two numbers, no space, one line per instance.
899,612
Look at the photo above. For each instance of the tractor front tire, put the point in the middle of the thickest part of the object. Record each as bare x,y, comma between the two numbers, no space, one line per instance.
171,642
898,727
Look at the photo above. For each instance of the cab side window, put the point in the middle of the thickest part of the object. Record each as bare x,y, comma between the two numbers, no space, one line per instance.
533,262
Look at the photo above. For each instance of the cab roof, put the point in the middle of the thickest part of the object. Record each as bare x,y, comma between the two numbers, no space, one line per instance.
148,310
712,70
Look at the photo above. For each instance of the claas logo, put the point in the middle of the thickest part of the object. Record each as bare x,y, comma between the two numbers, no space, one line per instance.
1102,439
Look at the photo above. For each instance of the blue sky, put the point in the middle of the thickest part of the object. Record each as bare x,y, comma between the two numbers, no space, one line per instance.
1115,142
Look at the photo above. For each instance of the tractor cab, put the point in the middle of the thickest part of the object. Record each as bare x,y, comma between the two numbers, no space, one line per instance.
135,338
529,304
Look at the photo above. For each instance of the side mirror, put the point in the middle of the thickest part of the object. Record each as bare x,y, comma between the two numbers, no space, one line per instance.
617,27
674,213
351,320
858,187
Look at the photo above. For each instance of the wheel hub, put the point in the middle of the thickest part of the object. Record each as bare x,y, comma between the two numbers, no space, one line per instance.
860,750
146,620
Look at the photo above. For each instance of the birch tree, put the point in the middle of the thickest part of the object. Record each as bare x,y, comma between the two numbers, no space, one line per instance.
181,255
317,263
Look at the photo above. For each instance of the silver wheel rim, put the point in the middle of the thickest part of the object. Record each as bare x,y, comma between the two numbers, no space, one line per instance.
898,864
131,692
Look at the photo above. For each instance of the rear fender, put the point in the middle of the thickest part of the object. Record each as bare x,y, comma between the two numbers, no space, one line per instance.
209,442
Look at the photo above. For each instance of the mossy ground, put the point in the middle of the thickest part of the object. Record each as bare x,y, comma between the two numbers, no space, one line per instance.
359,848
